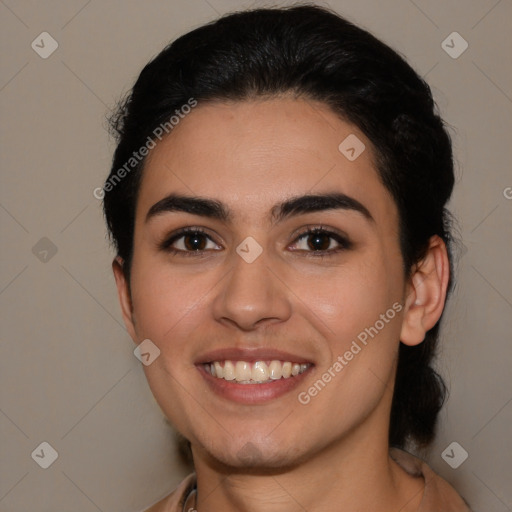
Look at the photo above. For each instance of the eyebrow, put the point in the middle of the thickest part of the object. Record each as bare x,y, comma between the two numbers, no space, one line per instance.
297,205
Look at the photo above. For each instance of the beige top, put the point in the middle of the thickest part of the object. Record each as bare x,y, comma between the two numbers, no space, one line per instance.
439,495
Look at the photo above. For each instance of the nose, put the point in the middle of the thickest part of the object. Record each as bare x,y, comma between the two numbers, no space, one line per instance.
251,295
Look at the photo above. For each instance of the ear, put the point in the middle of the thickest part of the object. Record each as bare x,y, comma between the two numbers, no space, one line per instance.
426,293
125,300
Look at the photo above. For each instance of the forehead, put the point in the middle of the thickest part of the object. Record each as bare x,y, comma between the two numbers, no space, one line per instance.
252,154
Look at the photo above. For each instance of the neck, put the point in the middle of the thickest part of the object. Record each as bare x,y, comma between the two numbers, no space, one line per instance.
355,473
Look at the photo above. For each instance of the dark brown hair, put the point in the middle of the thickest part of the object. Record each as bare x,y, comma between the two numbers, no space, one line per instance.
310,51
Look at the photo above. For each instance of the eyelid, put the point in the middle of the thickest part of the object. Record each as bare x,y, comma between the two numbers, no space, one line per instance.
340,237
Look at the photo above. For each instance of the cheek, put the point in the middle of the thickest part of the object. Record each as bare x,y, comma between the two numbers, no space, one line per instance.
168,309
162,299
362,311
350,299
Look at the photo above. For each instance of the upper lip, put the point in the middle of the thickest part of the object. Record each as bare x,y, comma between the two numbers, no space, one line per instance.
249,355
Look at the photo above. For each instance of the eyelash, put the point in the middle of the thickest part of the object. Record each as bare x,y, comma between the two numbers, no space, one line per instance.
345,244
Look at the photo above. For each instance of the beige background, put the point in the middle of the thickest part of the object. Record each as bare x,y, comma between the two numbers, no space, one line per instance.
68,373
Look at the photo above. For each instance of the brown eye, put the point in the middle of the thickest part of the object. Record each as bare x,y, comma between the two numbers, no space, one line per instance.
194,242
321,241
189,241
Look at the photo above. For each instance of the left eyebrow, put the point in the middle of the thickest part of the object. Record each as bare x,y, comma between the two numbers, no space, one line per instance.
318,202
293,206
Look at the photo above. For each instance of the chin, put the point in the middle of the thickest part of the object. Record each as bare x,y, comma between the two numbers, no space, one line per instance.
252,456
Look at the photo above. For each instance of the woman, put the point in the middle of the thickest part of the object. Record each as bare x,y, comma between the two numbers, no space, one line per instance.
277,203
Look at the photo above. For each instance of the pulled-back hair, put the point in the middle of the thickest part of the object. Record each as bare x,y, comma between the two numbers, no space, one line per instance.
311,52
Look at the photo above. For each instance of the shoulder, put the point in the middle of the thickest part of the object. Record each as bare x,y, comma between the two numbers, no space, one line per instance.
438,494
174,501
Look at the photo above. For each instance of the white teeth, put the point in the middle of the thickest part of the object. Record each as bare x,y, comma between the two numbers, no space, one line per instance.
219,371
242,371
275,371
257,372
287,369
229,371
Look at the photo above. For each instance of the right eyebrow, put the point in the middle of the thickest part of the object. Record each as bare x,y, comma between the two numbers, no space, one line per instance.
193,205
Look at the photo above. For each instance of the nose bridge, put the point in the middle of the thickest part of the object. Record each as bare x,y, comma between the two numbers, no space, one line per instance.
251,292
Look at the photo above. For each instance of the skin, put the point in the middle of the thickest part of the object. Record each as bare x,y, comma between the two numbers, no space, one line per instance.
332,453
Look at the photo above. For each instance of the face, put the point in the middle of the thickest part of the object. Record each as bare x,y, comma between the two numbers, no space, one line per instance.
267,281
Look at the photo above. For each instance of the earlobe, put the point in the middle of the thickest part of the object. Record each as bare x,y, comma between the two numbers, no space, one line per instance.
123,292
426,295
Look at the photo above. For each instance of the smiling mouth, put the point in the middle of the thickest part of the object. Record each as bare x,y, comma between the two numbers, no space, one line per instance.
258,372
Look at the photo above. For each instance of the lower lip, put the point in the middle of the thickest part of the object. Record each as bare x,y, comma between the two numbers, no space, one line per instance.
251,393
